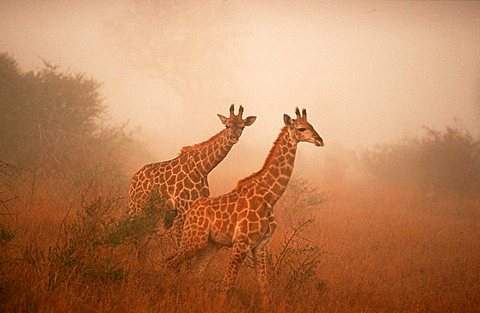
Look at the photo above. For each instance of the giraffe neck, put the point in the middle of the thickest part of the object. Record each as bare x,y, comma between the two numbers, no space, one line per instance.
277,169
208,154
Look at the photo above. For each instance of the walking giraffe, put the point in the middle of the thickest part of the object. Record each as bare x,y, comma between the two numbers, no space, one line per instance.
183,179
243,219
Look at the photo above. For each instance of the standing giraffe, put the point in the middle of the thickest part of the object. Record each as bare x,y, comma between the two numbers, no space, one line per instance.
243,219
183,179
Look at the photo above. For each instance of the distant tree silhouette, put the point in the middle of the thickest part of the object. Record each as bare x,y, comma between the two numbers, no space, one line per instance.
440,161
52,123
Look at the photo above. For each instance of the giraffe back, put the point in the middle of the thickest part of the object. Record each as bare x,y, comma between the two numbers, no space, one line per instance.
177,181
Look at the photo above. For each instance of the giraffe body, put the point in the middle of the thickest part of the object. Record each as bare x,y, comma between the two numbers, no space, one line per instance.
243,218
178,180
183,179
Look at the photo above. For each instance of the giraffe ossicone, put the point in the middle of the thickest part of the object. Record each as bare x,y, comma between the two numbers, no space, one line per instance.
183,179
243,219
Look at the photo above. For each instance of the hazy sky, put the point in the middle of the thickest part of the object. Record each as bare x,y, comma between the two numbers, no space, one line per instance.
368,72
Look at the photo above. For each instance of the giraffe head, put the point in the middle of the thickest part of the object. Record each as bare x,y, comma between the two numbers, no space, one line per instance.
301,130
236,123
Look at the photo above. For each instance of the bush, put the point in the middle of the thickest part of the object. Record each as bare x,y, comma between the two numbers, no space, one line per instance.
52,125
294,264
301,198
439,162
136,228
91,244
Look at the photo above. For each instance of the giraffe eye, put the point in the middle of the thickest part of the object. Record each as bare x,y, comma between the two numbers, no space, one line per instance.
302,129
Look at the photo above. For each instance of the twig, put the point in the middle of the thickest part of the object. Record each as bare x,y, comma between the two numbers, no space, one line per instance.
296,231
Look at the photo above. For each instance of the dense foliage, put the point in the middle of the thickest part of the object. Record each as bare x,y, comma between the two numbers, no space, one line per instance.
53,125
439,162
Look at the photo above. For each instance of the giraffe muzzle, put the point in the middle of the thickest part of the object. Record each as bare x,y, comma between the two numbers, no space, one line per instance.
318,142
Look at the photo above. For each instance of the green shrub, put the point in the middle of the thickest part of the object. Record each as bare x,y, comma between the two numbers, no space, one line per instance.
143,224
89,246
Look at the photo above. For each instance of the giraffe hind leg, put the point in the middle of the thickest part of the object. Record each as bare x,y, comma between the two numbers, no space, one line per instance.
239,251
260,261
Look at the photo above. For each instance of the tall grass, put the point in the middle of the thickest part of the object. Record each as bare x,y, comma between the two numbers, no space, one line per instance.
354,251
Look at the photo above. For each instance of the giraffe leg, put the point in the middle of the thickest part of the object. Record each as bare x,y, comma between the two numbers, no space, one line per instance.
177,228
174,262
141,247
192,243
260,261
239,251
204,257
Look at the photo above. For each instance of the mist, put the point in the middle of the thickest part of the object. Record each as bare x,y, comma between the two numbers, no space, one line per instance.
385,217
368,72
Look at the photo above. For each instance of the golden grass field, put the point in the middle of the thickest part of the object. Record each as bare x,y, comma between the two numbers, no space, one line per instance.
367,250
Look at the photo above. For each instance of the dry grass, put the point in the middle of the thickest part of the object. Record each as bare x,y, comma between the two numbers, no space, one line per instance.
396,252
383,251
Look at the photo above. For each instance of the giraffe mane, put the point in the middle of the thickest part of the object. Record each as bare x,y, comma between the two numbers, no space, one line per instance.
242,182
187,149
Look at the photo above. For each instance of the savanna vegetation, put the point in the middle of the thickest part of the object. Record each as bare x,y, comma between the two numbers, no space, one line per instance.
404,236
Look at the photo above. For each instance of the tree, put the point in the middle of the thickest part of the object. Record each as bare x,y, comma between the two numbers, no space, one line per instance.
52,124
439,162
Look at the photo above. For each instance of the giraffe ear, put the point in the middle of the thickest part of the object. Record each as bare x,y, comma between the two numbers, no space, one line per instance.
223,118
249,120
287,119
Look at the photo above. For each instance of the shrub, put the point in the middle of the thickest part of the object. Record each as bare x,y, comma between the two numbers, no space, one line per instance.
294,264
141,225
301,199
439,162
52,123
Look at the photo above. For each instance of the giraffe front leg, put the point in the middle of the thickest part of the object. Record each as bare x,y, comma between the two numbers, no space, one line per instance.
239,251
193,240
178,229
174,262
260,261
204,258
188,250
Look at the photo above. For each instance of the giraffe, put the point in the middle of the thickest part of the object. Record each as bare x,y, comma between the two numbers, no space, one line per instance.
183,179
243,219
